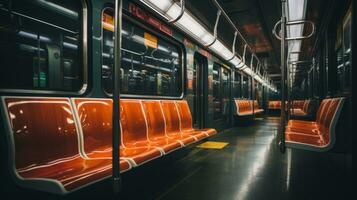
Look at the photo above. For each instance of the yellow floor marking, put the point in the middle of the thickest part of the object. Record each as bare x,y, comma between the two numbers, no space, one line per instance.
213,145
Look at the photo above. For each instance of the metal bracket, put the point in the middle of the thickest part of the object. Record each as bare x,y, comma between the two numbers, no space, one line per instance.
182,3
296,22
215,29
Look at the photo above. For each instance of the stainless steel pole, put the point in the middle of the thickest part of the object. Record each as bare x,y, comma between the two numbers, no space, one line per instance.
116,99
283,66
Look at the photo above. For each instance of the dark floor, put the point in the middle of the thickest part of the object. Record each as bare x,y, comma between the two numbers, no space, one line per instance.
250,167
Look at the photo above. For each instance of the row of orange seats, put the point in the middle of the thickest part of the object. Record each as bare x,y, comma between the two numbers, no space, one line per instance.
59,145
276,105
300,107
316,135
247,107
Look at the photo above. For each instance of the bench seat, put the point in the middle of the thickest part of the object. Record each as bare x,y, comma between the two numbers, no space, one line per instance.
316,135
47,152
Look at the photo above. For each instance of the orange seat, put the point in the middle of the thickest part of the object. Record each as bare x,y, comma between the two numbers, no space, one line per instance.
95,116
311,124
297,111
257,109
303,129
244,107
319,135
172,120
186,122
156,126
300,108
276,105
46,151
135,129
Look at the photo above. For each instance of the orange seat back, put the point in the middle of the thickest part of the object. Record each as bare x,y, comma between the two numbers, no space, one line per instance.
324,125
133,122
256,105
43,130
185,115
155,118
95,117
172,117
321,111
306,106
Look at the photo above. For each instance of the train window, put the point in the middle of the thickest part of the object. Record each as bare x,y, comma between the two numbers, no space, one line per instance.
343,53
41,45
237,85
221,91
225,92
245,87
347,48
150,64
216,92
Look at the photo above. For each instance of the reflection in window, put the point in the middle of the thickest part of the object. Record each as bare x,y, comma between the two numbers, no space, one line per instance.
217,104
221,91
41,45
150,65
225,92
245,92
343,51
237,85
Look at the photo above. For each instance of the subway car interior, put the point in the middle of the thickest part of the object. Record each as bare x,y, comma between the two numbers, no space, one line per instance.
176,99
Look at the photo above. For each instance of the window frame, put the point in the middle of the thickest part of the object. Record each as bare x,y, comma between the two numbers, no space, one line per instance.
171,40
84,54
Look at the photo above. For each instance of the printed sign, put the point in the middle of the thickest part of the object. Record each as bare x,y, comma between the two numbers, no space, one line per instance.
150,40
108,22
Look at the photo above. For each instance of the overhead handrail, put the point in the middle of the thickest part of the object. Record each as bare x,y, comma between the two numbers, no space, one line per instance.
215,2
215,30
182,11
230,22
295,22
234,46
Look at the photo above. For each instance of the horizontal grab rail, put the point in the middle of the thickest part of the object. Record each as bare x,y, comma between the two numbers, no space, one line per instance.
296,22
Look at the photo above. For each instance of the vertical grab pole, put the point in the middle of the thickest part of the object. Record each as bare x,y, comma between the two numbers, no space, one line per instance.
288,80
251,84
116,99
283,64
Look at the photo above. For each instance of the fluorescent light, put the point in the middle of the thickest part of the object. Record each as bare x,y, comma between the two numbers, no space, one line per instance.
188,24
163,5
248,71
235,61
221,50
240,65
296,10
